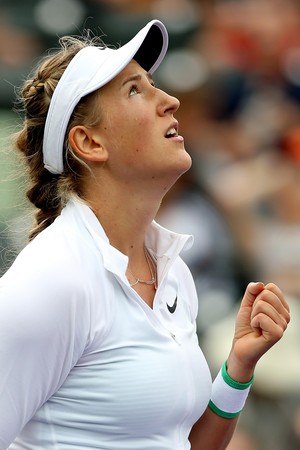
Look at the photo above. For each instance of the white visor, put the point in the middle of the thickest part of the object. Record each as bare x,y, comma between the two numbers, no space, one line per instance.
90,69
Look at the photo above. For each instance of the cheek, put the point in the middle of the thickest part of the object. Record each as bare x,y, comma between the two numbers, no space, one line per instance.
127,131
144,129
134,134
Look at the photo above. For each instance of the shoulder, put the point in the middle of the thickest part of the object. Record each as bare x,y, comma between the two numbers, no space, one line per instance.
50,289
55,268
46,261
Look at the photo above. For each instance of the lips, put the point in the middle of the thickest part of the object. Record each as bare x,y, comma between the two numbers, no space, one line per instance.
172,131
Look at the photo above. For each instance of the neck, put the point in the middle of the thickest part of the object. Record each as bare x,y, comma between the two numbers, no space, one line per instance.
125,219
125,222
134,280
126,206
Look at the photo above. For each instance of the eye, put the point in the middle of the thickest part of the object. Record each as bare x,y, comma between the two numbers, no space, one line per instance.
133,90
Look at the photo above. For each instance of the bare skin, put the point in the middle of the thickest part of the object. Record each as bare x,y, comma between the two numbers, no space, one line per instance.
261,321
133,165
132,161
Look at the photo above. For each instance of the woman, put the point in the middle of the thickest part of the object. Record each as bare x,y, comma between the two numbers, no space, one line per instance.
98,344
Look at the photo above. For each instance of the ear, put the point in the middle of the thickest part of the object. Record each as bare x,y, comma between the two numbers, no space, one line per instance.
86,144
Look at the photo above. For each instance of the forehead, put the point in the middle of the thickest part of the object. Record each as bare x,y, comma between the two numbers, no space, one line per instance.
132,71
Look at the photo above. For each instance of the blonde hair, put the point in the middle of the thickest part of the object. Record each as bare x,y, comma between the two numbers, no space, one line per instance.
47,192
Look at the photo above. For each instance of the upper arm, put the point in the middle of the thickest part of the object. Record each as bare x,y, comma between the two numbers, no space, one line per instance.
212,432
43,328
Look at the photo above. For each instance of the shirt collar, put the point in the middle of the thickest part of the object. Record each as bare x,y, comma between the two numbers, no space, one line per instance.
163,244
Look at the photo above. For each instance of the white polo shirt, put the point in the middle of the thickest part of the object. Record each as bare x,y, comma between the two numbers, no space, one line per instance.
85,363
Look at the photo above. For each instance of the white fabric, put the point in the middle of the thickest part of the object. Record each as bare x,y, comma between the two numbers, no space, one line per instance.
90,69
227,398
84,362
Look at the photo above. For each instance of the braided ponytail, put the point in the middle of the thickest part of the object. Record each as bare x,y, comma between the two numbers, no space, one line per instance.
48,192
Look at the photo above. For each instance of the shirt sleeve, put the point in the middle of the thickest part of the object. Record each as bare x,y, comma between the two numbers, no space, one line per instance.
44,324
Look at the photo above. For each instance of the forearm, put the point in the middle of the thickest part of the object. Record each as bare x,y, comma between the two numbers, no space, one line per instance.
261,322
212,432
214,429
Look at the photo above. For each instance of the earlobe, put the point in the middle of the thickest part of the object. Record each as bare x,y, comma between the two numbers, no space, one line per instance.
85,142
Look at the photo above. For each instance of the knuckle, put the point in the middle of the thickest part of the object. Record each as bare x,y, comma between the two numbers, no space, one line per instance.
279,333
271,286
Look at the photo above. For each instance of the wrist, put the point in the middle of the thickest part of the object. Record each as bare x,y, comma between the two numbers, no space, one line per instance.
228,395
240,372
234,382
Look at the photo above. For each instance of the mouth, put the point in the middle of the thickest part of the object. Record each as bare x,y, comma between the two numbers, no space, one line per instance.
172,131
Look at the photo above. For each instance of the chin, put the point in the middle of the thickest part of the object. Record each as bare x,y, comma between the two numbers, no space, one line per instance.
181,170
186,162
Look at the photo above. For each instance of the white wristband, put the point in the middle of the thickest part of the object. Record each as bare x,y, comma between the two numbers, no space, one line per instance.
228,396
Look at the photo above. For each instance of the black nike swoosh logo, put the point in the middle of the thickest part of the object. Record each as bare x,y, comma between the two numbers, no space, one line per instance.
173,307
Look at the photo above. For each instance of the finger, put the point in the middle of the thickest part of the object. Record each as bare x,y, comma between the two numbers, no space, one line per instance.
277,291
275,300
266,327
252,290
263,308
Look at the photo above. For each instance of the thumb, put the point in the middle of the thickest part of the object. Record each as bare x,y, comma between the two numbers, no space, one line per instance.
252,291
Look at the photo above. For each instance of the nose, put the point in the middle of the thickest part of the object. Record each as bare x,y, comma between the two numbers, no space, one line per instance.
167,104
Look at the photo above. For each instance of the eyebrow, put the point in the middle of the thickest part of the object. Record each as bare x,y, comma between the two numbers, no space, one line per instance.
136,77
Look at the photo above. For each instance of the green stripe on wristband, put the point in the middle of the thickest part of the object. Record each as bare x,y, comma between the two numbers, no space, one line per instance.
234,384
219,412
